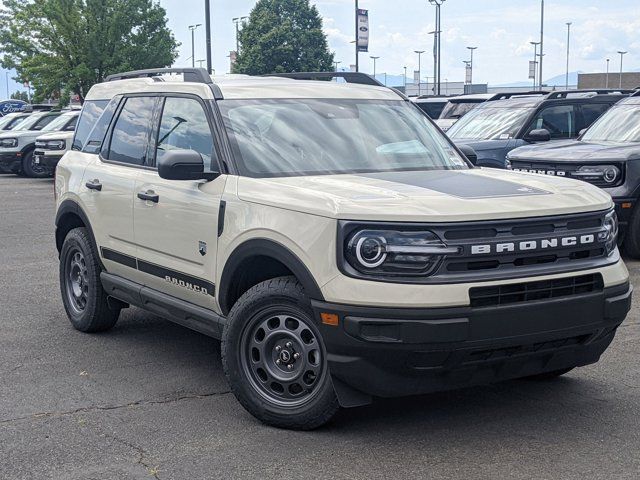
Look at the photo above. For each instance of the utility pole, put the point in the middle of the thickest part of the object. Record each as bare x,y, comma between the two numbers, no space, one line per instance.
566,86
374,64
607,76
471,65
193,52
622,54
419,52
237,21
535,62
207,14
356,42
438,31
541,41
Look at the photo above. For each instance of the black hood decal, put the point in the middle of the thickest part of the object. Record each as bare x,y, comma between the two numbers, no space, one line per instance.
458,184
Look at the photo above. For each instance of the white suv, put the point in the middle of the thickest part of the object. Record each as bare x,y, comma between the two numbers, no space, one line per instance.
334,239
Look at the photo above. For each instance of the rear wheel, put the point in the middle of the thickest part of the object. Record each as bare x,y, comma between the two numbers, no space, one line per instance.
275,359
84,299
31,169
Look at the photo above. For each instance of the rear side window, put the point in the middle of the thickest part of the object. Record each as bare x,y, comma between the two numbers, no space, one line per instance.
184,126
130,134
558,120
71,126
590,113
91,112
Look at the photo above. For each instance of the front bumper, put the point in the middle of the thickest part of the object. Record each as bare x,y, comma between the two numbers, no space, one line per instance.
395,352
49,161
10,162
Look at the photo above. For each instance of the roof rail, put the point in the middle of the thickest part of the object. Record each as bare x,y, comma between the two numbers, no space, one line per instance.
597,91
198,75
349,77
636,93
507,95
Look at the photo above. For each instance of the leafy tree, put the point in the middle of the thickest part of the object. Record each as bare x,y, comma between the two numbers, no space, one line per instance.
68,45
18,95
283,36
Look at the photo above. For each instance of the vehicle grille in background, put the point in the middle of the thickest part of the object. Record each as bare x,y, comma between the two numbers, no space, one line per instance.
532,291
564,170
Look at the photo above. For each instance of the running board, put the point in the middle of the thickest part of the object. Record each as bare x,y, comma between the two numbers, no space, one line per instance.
178,311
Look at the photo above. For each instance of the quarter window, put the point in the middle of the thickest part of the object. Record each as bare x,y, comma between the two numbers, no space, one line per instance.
91,111
131,131
559,121
184,126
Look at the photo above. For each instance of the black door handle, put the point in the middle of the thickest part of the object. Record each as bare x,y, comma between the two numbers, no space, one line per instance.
94,185
149,195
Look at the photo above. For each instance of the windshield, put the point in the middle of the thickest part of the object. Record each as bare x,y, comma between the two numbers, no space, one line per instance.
458,109
30,122
490,124
621,124
320,137
59,123
10,121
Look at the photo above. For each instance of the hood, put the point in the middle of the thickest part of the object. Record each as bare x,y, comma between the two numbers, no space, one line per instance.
483,145
20,134
427,196
59,135
577,151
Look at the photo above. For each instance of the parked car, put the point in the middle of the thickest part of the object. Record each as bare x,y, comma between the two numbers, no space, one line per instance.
335,240
496,127
51,146
17,145
458,107
432,106
12,120
606,155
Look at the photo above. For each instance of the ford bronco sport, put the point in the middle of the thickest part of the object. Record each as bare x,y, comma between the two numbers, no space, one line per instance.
332,237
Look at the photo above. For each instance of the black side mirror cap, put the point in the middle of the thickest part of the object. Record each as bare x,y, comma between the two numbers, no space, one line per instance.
183,165
538,135
469,152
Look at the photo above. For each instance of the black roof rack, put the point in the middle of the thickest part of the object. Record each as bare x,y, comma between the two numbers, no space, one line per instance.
507,95
597,91
198,75
636,93
349,77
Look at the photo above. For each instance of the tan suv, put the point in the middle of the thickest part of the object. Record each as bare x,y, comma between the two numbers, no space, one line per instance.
332,237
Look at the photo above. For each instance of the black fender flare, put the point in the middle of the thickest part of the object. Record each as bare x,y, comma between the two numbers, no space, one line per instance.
72,207
266,248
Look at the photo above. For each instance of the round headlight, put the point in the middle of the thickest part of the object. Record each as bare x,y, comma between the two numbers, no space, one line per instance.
610,174
371,251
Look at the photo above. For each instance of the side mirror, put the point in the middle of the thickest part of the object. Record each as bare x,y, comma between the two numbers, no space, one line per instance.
183,165
469,152
538,135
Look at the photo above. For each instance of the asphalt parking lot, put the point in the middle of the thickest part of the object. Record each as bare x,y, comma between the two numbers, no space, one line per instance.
149,399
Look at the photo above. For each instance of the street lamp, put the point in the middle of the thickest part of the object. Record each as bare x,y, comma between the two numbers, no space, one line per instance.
438,31
237,21
419,52
335,65
405,79
607,76
541,40
535,61
566,86
471,49
374,64
622,54
193,55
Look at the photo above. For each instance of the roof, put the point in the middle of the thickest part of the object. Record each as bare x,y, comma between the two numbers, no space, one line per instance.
242,87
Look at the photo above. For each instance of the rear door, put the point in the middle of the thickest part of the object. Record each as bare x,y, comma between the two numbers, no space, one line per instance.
177,231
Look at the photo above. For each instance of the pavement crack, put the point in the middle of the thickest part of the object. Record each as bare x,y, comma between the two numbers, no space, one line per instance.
143,456
99,408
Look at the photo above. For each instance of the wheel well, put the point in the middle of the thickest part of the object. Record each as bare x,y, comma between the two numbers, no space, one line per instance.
248,273
65,224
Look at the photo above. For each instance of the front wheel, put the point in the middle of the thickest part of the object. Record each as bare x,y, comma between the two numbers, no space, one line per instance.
274,357
31,169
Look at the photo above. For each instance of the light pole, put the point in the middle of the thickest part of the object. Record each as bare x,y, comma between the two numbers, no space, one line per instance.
207,27
435,58
419,52
467,65
356,41
335,65
566,83
541,41
237,21
193,54
405,79
438,30
200,62
535,61
622,54
607,76
374,58
471,49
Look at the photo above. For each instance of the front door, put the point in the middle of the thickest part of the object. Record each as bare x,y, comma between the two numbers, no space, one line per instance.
176,221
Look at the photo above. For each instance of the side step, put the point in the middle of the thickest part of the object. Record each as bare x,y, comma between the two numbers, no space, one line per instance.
178,311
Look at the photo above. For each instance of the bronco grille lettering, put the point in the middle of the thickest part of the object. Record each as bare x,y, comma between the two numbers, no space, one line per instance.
530,245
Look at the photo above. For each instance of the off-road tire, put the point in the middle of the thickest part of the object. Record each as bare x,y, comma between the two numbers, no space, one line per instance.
29,170
89,311
284,299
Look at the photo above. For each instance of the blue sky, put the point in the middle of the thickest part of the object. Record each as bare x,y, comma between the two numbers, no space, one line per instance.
501,30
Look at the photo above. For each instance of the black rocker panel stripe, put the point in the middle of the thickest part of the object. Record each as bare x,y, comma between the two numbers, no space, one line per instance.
171,276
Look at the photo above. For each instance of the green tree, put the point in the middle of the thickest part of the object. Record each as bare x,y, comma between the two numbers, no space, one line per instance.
18,95
63,46
283,36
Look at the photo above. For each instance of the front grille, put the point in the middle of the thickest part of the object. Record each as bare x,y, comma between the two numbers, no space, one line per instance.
566,170
531,291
